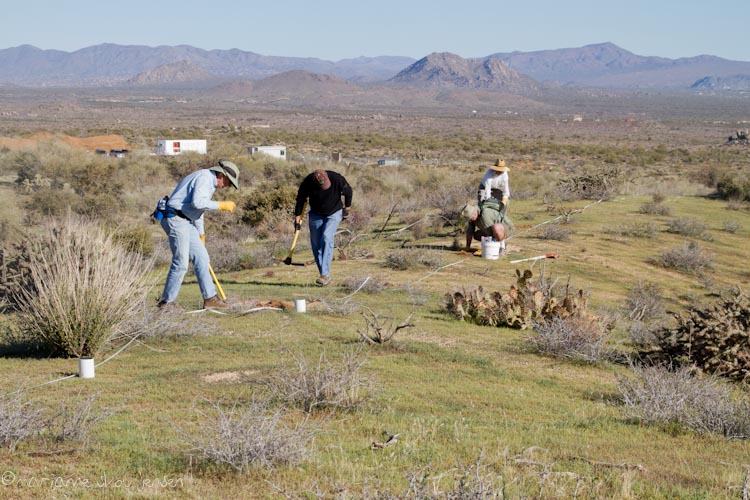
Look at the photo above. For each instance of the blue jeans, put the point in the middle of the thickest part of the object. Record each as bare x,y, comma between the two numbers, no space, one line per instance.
186,246
322,232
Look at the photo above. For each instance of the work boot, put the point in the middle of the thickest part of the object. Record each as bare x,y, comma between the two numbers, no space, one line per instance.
169,306
214,303
323,280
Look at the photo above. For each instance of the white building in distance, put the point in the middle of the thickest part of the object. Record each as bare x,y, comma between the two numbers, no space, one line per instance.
170,147
278,152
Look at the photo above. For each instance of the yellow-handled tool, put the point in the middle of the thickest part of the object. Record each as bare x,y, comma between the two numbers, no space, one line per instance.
213,275
216,282
297,228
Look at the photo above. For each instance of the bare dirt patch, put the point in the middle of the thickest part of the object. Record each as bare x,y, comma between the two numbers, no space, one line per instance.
228,377
104,142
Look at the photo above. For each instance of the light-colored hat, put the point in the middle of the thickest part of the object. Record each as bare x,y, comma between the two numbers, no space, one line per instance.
469,210
499,166
230,170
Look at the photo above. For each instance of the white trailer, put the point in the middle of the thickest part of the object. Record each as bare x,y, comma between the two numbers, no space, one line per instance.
172,147
272,151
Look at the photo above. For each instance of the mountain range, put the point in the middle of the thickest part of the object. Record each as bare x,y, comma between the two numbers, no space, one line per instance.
602,65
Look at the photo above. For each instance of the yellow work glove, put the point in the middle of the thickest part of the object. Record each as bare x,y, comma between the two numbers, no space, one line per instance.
505,200
229,206
203,239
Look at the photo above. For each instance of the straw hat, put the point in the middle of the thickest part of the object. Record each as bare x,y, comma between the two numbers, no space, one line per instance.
499,166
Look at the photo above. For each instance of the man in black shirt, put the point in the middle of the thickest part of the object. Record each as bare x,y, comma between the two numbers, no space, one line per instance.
323,189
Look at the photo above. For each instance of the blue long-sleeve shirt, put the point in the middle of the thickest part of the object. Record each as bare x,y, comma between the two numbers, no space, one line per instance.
192,196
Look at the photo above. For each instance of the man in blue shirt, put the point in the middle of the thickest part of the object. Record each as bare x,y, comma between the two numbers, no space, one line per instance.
182,220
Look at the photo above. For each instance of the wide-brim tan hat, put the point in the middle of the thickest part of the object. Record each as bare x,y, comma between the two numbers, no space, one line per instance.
230,170
499,166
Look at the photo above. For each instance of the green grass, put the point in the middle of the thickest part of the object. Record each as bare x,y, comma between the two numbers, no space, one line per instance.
452,391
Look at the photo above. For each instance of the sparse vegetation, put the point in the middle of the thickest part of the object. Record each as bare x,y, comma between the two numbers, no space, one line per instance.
656,395
569,338
445,388
405,259
689,257
687,226
242,436
338,384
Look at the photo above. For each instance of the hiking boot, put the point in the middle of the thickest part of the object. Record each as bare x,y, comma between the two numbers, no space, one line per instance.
214,303
169,306
323,280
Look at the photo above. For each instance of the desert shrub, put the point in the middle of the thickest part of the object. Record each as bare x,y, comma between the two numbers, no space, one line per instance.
276,222
556,232
569,338
633,229
135,239
714,338
420,228
229,255
245,437
525,303
181,165
590,184
657,395
689,257
367,284
150,322
81,289
381,329
654,208
76,418
732,187
310,385
265,199
687,226
730,226
404,259
28,167
448,198
644,302
19,419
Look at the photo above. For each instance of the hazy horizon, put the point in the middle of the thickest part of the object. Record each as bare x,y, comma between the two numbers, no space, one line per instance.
336,30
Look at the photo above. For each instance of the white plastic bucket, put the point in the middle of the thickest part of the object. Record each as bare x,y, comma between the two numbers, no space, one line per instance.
299,305
490,249
86,367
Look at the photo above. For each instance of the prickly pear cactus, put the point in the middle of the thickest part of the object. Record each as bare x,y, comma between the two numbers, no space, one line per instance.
714,338
524,303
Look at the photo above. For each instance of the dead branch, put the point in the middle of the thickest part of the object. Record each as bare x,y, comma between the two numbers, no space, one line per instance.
380,332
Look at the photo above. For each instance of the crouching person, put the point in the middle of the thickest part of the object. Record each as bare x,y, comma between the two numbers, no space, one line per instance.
182,220
485,220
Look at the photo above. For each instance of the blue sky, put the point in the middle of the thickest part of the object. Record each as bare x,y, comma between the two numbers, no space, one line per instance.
342,29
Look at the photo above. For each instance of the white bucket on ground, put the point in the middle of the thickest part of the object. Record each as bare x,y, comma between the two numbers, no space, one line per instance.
490,249
299,305
86,367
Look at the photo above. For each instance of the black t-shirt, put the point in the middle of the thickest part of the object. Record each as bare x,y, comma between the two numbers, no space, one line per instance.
324,201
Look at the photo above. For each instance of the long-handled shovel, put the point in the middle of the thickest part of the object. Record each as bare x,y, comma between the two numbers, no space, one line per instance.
216,282
297,228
